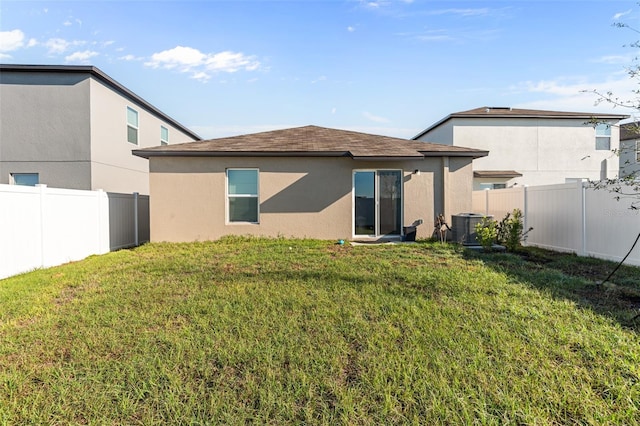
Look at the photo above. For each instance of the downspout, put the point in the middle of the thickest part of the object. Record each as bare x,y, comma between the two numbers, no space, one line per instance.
445,189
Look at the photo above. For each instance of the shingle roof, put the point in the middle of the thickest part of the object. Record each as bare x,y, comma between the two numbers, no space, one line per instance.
507,112
311,141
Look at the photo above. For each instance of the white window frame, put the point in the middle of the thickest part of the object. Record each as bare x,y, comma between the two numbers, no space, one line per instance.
603,131
162,140
229,196
135,126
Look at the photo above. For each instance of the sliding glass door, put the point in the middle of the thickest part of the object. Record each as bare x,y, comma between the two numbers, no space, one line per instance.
377,202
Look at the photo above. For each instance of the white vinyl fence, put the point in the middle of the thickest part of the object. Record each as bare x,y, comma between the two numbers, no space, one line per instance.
569,217
42,227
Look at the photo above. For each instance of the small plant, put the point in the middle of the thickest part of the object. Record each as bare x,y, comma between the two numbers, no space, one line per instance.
486,232
510,230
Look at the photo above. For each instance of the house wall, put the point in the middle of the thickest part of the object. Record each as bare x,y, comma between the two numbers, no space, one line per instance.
35,140
628,158
299,197
442,134
545,151
114,168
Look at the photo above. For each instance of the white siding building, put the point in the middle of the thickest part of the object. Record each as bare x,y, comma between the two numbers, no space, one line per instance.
630,150
75,127
532,147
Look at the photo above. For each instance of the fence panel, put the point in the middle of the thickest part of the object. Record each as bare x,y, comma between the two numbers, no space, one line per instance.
42,227
20,229
570,217
611,227
71,225
122,220
555,213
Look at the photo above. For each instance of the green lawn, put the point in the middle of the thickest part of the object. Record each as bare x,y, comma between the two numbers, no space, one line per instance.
299,331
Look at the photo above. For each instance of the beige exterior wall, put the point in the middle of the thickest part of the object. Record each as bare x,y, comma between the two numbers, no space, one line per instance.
113,166
545,151
299,197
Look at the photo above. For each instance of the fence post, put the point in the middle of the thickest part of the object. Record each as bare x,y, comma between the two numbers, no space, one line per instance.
582,186
135,218
486,201
525,208
43,188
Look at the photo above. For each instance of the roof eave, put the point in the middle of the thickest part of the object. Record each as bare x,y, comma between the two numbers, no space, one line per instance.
100,75
474,154
173,153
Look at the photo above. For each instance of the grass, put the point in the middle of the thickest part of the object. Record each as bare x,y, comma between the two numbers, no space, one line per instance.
275,331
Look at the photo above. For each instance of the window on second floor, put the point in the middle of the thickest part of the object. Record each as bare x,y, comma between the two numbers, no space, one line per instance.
603,137
132,125
164,136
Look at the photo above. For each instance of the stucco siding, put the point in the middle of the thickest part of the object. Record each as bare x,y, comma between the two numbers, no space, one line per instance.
34,140
545,151
628,158
114,167
442,134
300,197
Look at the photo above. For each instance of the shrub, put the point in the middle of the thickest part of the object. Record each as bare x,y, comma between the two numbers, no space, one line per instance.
486,232
510,230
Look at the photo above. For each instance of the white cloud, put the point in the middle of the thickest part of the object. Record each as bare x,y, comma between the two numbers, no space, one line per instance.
375,118
621,14
434,35
32,42
129,58
57,45
67,23
578,95
81,57
351,29
321,78
180,57
461,12
201,76
188,59
231,62
614,59
11,40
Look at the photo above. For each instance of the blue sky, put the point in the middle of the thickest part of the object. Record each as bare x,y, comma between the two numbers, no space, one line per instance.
390,67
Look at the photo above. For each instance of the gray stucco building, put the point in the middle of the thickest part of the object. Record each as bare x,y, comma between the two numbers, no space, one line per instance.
75,127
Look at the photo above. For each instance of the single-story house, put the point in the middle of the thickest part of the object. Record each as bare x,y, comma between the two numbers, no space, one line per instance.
302,182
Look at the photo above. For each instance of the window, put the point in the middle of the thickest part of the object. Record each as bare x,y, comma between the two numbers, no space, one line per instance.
603,137
164,136
493,185
132,125
242,195
26,179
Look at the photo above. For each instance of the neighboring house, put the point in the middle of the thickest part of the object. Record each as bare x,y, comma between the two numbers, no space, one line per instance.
630,150
532,147
74,127
305,182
